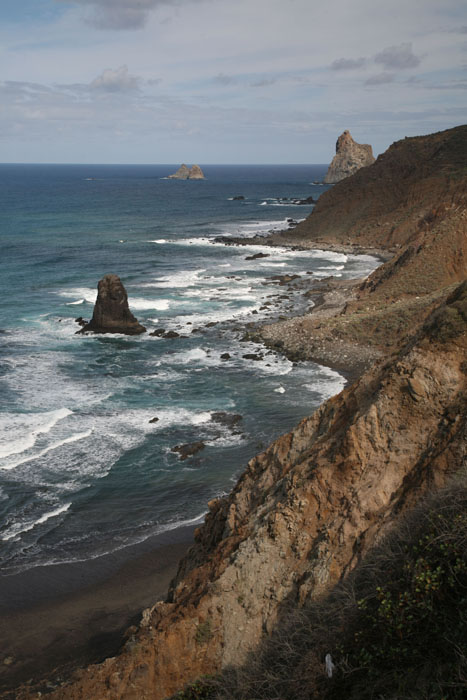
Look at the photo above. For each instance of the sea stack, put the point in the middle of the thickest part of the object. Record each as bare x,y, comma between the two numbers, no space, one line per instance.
186,173
111,310
350,157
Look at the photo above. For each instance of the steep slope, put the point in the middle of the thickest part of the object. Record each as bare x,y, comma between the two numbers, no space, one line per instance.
303,514
385,204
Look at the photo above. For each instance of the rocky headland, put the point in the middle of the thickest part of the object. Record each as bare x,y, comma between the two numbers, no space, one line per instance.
111,311
309,510
186,173
350,157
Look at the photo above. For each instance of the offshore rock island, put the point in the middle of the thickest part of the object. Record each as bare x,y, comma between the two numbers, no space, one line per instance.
350,157
308,511
186,173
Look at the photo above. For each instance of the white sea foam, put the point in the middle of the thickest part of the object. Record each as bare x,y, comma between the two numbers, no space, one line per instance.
86,293
141,304
226,314
76,303
73,438
326,382
25,429
184,278
273,264
280,390
19,529
169,417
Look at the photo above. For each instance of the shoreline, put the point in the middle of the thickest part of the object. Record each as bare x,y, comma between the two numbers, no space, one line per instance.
58,618
61,617
306,337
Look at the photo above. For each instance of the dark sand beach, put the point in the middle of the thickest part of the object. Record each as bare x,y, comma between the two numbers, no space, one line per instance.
65,616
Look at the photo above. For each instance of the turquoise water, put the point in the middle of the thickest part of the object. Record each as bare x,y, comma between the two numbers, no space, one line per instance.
83,472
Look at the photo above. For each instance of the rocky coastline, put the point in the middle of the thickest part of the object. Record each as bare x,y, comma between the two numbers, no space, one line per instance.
307,511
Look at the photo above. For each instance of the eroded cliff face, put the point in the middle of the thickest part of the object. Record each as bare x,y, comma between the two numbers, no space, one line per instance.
302,514
350,157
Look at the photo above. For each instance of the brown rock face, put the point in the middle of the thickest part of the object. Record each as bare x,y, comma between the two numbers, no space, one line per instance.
302,515
350,157
111,311
196,173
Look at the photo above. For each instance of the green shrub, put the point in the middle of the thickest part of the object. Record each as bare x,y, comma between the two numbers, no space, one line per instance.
203,632
202,689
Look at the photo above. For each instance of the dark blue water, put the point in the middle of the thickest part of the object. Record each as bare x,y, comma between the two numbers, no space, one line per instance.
83,471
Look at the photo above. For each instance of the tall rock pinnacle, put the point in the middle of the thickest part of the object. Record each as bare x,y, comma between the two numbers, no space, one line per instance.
350,157
111,311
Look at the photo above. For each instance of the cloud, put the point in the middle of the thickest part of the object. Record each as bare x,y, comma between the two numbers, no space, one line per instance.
118,80
380,79
398,57
265,82
348,63
222,79
119,14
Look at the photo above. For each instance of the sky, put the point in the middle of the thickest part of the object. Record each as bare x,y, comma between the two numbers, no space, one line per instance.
217,81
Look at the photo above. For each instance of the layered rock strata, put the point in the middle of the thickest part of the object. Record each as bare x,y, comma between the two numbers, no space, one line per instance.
350,157
111,311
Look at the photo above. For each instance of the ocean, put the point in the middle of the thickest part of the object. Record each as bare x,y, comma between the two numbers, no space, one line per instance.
84,469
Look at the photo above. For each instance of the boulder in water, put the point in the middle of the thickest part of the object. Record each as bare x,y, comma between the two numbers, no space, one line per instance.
111,310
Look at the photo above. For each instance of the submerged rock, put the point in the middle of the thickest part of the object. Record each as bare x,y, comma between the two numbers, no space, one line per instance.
350,157
230,420
256,256
189,449
111,311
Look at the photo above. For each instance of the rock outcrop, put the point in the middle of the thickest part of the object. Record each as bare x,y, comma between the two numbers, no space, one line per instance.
111,311
350,157
185,173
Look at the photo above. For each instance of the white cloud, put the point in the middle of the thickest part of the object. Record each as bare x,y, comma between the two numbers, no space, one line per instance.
119,14
222,79
253,80
118,80
348,63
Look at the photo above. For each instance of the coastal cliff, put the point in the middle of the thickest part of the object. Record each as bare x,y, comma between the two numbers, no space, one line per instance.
309,508
350,157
